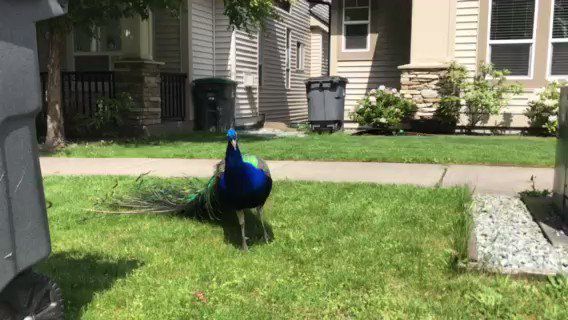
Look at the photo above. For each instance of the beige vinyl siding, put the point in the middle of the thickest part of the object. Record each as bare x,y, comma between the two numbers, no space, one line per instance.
167,40
319,48
391,51
202,38
277,102
223,43
466,53
246,64
321,11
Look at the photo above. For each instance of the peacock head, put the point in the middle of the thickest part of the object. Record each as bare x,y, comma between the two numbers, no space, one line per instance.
232,137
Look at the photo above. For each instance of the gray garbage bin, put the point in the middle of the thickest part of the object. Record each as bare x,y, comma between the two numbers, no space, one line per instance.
214,100
326,102
24,233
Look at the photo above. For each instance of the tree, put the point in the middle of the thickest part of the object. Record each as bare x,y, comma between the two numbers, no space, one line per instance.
88,14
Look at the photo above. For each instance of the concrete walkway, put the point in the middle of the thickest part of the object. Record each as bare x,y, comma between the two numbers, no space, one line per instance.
481,179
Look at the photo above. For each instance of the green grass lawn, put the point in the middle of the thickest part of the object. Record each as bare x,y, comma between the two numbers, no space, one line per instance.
497,150
341,251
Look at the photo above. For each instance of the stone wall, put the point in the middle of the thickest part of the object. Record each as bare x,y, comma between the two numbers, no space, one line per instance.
141,79
421,85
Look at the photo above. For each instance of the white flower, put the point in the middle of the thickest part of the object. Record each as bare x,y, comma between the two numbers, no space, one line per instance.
553,118
394,90
382,88
383,120
373,99
373,91
550,102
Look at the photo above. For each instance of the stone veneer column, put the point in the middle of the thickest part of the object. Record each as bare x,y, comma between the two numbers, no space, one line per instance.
421,85
141,79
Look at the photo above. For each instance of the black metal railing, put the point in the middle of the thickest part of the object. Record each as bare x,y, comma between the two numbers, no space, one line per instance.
81,90
172,92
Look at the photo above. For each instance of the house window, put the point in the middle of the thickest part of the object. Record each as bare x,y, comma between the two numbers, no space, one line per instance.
288,57
356,25
511,35
559,55
300,58
102,39
283,4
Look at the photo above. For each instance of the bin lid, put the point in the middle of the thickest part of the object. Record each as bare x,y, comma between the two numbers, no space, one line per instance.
214,81
326,79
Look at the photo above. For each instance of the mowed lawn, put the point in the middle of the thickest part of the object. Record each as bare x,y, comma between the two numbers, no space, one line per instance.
341,251
495,150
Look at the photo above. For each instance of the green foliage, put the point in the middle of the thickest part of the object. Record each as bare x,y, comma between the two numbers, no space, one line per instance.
109,118
249,15
543,112
488,93
383,108
451,85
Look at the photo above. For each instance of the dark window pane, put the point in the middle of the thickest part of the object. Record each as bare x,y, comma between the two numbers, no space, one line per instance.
560,26
356,36
559,59
283,4
92,63
513,57
350,3
512,19
356,14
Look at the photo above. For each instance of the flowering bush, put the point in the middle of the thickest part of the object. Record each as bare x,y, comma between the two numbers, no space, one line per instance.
487,93
543,112
383,108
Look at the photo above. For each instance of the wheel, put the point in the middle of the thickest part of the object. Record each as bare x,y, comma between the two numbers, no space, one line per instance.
6,313
34,296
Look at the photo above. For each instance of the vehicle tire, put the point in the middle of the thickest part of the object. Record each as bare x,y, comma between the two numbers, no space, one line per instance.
6,313
35,296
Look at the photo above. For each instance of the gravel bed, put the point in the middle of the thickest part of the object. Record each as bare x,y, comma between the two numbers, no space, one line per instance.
269,132
510,241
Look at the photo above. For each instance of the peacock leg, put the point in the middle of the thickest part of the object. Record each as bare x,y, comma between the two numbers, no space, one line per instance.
241,215
260,211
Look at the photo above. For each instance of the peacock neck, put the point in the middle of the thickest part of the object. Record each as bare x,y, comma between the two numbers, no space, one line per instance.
233,157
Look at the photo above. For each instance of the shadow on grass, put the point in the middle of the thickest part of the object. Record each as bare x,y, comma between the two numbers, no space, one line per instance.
82,276
253,229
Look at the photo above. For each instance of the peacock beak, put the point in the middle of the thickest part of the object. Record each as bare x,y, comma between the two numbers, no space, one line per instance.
234,143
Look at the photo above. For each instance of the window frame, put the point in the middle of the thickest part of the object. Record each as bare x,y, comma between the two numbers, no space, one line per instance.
346,23
532,42
300,56
288,60
551,41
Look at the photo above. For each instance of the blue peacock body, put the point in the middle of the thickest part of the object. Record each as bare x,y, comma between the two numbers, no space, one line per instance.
240,183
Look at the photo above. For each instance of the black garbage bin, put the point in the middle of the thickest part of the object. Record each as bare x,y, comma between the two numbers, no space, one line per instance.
214,101
326,102
24,232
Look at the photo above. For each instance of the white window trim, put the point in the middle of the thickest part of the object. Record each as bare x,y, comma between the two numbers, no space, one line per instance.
288,62
300,56
345,23
532,42
551,41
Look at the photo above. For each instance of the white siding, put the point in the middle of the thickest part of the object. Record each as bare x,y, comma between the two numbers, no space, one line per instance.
202,24
277,102
246,64
223,43
319,56
466,53
167,40
321,12
392,51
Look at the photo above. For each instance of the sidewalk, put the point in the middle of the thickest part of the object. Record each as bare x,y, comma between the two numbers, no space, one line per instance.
481,179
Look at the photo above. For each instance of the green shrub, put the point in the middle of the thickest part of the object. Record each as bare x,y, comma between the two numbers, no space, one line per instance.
451,85
543,112
383,108
487,94
109,117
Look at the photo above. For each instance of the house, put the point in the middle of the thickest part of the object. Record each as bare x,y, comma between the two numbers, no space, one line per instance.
270,66
408,44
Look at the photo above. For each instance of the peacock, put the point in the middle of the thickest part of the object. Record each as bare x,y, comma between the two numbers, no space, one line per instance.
240,183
